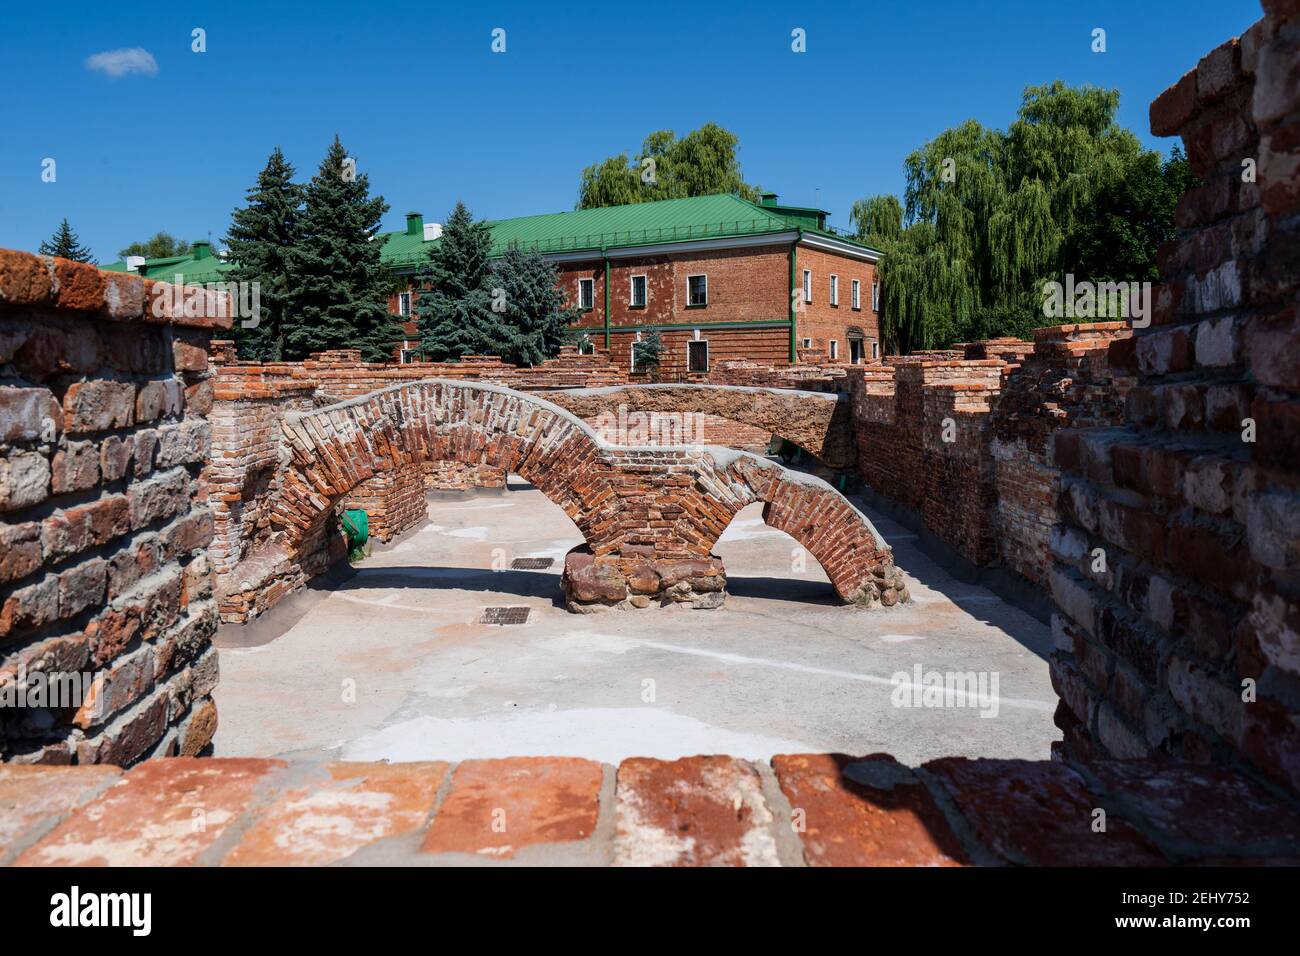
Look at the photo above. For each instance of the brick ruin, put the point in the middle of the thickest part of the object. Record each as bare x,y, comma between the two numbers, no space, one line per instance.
1177,564
1147,480
650,515
104,526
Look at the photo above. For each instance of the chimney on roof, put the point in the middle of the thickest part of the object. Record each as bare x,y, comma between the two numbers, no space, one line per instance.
133,263
432,230
767,199
414,223
202,249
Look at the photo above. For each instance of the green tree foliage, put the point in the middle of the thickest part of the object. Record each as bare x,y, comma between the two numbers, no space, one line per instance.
161,245
1134,216
701,163
338,289
65,244
648,353
261,236
877,217
532,318
454,304
990,215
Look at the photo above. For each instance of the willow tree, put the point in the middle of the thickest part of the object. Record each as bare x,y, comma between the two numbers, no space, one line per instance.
701,163
989,215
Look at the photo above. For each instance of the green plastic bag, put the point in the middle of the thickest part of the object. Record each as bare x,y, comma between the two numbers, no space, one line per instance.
356,525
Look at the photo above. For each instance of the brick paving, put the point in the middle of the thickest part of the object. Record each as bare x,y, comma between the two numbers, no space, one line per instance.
799,810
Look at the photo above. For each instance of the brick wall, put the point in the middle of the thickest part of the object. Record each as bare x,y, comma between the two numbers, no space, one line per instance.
821,321
1064,381
104,531
1184,641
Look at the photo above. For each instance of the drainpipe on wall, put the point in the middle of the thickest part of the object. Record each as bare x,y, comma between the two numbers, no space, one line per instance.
605,255
794,355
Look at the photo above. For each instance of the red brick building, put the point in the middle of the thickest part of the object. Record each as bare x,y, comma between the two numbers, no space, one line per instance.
717,277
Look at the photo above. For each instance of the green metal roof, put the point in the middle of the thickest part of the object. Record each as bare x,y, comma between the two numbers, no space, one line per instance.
612,227
198,266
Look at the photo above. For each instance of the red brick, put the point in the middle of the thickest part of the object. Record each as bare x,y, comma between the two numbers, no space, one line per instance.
850,823
498,807
326,821
24,279
164,813
1202,805
1039,813
697,811
34,799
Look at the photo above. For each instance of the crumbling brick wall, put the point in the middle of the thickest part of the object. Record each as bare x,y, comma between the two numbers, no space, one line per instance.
1064,381
1178,562
105,579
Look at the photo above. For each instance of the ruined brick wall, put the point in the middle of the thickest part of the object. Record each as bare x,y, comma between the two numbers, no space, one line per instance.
1185,641
964,443
1063,381
104,530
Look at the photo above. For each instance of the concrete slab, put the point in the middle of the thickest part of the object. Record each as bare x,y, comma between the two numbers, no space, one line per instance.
391,663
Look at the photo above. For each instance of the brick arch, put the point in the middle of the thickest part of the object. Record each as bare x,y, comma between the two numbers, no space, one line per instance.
646,513
818,422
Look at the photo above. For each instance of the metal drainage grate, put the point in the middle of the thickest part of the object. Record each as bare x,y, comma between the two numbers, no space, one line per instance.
531,564
504,615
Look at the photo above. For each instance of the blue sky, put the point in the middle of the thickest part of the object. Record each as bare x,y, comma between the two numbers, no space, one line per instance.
434,116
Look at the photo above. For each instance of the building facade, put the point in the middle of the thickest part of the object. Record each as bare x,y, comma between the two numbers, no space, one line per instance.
717,277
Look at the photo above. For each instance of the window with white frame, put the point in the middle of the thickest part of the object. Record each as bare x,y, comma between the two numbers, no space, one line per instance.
586,294
807,343
875,350
835,290
835,349
856,293
404,303
697,291
637,295
875,296
807,285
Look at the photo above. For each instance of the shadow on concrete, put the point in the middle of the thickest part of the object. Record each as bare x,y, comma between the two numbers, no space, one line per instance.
537,584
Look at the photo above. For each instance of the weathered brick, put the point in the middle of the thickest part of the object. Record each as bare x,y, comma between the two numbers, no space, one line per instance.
697,811
869,812
98,405
29,413
165,813
73,530
75,467
1040,813
497,808
24,479
324,822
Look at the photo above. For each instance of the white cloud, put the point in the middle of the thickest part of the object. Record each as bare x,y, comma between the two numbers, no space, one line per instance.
117,63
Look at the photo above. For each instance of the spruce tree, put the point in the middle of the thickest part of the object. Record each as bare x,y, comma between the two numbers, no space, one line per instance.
261,237
532,318
338,291
454,304
65,244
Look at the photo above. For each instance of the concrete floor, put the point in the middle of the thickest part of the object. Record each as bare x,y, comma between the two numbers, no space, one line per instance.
391,663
